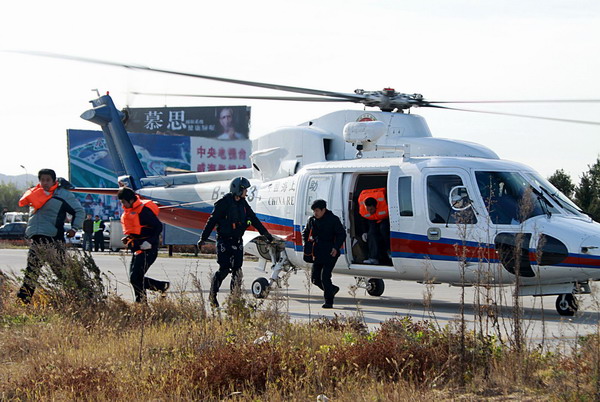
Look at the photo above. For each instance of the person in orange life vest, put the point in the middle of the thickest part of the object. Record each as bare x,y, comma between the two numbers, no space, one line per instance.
49,203
376,225
142,230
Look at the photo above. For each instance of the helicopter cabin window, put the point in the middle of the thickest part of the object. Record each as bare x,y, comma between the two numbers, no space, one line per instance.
405,196
510,199
319,187
440,210
327,149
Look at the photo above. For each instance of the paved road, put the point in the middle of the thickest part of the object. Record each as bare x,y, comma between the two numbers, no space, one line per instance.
303,302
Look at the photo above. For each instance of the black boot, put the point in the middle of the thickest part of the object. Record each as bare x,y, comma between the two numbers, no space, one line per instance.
25,293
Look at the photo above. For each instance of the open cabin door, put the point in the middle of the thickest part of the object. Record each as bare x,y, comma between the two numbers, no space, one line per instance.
360,251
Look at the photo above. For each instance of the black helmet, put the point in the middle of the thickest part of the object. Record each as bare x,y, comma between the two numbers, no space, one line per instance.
238,185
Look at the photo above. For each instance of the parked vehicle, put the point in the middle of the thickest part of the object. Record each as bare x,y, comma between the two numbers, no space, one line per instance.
13,231
10,217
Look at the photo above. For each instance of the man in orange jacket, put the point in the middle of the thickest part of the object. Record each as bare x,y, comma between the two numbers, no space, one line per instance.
49,203
376,226
142,230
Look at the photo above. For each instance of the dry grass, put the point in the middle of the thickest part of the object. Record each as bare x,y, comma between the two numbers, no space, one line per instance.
100,347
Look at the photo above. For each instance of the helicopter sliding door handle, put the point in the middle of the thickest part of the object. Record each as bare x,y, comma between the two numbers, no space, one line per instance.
434,233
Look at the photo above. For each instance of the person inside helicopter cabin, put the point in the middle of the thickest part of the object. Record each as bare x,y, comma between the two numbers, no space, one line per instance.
376,224
327,233
232,215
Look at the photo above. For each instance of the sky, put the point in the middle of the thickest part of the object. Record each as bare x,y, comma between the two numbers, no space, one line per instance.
443,49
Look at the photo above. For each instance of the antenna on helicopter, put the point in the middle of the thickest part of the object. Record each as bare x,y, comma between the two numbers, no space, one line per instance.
96,90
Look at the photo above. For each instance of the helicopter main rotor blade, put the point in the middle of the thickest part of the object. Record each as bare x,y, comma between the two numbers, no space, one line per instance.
595,123
525,101
347,96
281,98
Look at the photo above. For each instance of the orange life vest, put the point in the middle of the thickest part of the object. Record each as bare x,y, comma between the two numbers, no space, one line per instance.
381,211
37,196
131,217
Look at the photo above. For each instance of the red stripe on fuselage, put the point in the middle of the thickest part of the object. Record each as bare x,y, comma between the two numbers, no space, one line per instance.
442,249
187,218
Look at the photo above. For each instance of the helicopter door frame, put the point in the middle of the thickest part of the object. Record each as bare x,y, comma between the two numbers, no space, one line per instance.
319,185
353,184
438,234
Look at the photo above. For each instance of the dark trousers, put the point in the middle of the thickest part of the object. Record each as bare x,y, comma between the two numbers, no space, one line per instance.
321,278
378,239
88,239
41,249
140,263
99,240
230,256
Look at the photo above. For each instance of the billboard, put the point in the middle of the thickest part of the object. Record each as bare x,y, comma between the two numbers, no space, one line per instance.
204,148
222,122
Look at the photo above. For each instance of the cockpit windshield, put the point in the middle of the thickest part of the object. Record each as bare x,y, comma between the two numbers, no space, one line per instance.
559,198
510,199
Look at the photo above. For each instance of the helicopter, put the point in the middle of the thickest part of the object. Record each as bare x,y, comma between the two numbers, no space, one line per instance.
458,214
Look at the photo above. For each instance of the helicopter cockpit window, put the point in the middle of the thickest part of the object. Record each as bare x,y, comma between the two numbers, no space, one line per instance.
440,210
510,199
558,197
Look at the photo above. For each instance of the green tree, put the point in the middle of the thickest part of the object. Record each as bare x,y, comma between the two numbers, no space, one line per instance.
9,197
563,182
587,193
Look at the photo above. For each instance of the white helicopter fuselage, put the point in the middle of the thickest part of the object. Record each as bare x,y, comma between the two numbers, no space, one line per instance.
294,166
457,213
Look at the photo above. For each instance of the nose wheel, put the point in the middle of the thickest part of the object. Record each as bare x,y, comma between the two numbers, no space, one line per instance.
375,287
260,288
566,304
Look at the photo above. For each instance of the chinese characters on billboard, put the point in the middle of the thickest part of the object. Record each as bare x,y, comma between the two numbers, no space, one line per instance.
223,123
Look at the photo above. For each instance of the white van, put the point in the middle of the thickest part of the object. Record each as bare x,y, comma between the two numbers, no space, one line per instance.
11,217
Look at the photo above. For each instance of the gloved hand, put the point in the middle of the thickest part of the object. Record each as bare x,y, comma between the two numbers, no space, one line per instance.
364,237
200,244
269,237
125,239
145,246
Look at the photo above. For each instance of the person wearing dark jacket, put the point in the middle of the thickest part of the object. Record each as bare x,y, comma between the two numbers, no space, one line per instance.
231,215
49,203
328,235
142,230
88,233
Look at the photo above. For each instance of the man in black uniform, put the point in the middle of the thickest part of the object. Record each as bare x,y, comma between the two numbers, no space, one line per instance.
328,234
231,215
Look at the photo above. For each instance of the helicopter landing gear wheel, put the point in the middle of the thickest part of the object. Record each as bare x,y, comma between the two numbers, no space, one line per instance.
260,288
375,287
566,304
